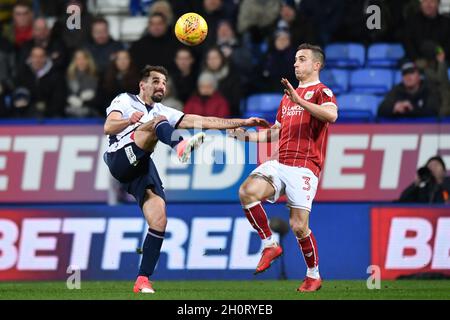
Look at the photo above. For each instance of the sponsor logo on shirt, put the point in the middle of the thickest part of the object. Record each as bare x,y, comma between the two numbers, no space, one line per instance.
291,110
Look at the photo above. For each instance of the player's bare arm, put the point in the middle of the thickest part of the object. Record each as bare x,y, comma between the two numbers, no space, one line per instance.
263,135
328,114
115,123
193,121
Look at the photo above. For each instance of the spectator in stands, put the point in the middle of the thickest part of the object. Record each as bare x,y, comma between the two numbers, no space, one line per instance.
431,184
208,101
427,25
298,24
238,55
185,74
6,9
121,76
21,28
73,38
256,20
82,83
213,11
278,63
170,98
227,77
7,69
413,97
326,16
435,70
158,46
163,7
102,47
40,89
42,38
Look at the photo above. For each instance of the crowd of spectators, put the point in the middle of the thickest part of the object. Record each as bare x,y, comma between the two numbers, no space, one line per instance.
56,72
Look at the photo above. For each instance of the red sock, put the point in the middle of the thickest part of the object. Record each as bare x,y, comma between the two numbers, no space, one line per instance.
309,249
258,219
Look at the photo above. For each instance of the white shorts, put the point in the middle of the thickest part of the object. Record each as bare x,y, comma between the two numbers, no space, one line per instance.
297,183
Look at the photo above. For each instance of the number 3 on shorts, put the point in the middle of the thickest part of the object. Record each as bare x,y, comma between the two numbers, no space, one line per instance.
307,186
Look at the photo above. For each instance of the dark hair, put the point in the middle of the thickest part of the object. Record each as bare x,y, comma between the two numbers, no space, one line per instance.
439,159
23,3
99,19
145,73
316,50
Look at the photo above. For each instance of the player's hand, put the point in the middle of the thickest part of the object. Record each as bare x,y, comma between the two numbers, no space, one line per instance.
135,117
238,133
256,122
290,91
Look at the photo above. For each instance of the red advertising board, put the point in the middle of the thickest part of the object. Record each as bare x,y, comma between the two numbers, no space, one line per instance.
407,241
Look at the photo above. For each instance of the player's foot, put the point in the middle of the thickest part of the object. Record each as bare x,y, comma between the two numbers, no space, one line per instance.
185,147
143,285
310,285
269,255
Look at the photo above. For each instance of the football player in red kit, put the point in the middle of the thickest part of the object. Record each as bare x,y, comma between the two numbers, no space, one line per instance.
301,127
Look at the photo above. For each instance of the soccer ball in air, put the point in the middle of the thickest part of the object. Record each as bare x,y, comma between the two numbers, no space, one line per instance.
191,29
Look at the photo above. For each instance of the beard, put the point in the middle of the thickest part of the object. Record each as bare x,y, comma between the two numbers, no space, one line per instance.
157,98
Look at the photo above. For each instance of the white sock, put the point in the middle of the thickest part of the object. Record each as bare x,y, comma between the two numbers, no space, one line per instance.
268,242
313,273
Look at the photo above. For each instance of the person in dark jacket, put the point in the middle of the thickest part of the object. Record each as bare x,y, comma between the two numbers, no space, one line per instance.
157,47
413,97
40,89
431,184
427,25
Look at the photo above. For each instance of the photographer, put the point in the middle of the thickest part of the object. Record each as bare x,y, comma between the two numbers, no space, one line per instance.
431,184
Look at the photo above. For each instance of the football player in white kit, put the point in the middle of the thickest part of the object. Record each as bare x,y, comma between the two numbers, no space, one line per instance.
134,124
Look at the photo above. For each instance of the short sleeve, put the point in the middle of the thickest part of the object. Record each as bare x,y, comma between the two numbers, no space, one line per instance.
174,116
326,97
279,112
119,104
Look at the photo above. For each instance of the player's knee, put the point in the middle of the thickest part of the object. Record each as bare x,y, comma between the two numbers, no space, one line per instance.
247,193
299,227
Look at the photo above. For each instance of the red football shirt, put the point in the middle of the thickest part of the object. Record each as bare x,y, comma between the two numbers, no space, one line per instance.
303,138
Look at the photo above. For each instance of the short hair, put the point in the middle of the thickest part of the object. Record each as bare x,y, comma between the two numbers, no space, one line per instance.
145,72
23,3
158,14
100,19
317,51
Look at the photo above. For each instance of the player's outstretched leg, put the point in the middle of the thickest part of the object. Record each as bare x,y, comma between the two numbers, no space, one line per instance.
160,129
307,242
155,214
252,191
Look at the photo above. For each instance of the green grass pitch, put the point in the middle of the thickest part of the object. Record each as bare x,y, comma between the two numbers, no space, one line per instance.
223,290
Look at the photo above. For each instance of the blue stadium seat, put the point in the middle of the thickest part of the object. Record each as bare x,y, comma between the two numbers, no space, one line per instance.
448,72
345,55
358,106
384,54
335,79
264,102
397,77
373,81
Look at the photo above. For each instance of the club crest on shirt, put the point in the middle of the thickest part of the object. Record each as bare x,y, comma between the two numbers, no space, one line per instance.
328,92
308,95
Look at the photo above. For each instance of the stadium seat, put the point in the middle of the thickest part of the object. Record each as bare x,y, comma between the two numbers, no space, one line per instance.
335,79
264,102
106,7
372,81
114,23
345,55
384,55
448,72
397,77
132,28
358,106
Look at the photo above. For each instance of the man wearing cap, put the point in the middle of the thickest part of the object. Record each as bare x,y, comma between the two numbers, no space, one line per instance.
413,97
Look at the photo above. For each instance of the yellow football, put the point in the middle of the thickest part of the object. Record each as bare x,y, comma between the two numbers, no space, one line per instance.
191,29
